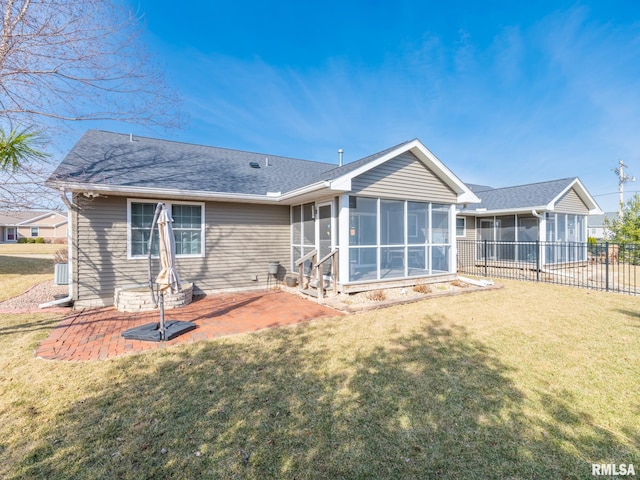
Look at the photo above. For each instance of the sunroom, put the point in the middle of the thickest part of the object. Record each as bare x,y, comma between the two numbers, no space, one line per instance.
552,237
377,240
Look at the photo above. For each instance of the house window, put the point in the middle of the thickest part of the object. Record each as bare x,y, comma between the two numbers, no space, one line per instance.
397,239
35,231
461,227
188,228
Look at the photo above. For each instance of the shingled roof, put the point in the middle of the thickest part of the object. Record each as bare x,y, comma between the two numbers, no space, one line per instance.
530,196
118,163
118,160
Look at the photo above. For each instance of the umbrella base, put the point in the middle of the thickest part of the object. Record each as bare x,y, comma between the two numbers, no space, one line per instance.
150,332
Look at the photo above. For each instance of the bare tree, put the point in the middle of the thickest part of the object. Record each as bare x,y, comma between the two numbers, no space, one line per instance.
24,188
63,61
76,60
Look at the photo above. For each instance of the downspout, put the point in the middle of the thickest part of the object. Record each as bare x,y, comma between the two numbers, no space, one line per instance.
70,208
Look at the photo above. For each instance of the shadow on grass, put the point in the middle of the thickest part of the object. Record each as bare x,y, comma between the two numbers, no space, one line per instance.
431,404
31,325
20,265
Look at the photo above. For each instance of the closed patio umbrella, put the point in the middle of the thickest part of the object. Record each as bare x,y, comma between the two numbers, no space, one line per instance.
167,280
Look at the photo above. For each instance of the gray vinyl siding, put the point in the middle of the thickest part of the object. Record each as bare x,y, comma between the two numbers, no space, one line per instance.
240,241
470,233
571,203
403,177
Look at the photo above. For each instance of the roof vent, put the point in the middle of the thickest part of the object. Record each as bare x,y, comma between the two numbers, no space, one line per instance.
254,164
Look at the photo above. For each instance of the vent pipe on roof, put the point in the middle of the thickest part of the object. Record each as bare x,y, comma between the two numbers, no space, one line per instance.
267,162
131,137
340,152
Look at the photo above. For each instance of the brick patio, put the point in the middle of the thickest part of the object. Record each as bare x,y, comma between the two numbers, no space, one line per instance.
95,334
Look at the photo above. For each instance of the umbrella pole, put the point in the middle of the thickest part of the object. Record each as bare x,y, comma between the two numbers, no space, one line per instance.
163,332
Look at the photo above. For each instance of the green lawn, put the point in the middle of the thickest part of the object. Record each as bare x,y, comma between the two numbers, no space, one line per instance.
527,382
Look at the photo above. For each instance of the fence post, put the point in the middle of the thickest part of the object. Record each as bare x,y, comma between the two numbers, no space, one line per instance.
606,265
537,260
486,252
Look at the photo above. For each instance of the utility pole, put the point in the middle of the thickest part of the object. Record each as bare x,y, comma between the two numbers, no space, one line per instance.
622,179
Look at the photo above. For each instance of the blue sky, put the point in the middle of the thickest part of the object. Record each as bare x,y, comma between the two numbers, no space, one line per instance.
503,93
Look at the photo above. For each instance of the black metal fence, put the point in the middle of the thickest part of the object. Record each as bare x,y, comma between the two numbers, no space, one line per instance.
609,266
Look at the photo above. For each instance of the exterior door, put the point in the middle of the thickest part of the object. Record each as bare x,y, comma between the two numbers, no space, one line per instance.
487,232
324,224
11,234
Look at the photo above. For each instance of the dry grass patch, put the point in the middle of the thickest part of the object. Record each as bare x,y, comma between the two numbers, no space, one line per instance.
17,274
422,288
30,248
530,381
376,295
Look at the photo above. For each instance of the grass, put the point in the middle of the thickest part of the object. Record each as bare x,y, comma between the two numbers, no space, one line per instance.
30,248
17,274
531,381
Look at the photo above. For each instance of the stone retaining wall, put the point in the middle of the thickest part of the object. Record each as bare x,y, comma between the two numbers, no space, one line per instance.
138,299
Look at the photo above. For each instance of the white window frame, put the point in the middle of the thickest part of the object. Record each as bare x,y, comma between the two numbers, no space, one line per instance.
37,230
464,226
169,205
428,243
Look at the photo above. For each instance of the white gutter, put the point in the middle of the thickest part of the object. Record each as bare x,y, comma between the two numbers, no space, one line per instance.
305,190
503,211
69,297
269,197
162,192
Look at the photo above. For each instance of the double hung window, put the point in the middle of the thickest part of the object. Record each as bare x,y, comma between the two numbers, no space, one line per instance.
188,228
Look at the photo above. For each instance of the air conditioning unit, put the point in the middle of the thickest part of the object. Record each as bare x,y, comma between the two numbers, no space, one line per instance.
61,274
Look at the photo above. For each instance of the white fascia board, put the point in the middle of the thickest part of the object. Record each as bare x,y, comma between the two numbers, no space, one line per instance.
463,193
342,184
505,211
583,193
269,197
164,193
314,187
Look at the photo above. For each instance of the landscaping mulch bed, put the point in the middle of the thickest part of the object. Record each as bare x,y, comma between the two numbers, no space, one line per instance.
34,296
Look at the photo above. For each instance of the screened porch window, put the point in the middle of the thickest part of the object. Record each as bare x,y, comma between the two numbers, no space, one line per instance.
397,239
566,237
188,228
303,233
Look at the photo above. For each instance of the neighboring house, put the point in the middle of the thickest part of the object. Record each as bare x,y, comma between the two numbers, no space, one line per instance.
596,226
49,225
390,216
551,212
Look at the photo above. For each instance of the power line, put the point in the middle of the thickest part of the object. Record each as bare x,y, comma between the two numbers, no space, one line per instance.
615,193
